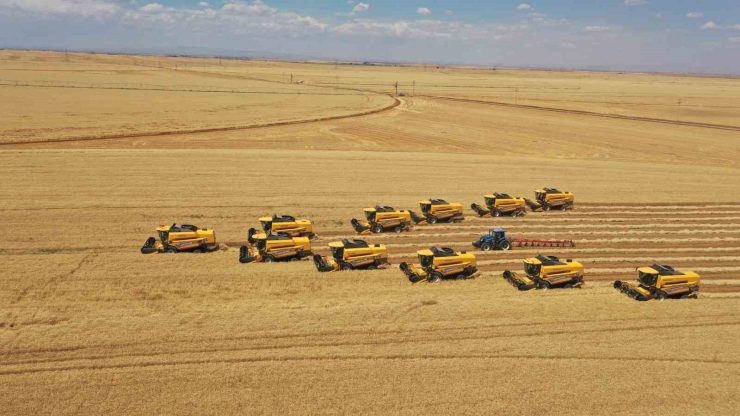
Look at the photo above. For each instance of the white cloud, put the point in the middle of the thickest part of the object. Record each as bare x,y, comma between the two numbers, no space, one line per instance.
659,15
635,2
709,25
152,8
524,6
204,4
350,1
449,13
736,27
734,40
596,28
361,7
258,8
423,10
694,15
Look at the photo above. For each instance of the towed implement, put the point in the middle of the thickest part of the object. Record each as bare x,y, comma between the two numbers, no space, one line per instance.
287,225
550,198
441,263
352,254
436,210
546,272
500,204
383,218
181,238
272,248
661,282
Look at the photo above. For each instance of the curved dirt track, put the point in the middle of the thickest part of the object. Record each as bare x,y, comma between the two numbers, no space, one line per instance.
588,113
396,103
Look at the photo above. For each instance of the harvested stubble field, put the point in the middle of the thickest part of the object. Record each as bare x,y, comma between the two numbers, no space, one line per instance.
89,325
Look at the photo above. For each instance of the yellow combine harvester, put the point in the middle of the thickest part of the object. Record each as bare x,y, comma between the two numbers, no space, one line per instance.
352,254
272,248
661,282
551,198
546,272
441,263
501,204
383,218
287,225
181,238
436,210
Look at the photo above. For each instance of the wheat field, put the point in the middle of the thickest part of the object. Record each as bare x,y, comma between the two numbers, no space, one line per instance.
94,157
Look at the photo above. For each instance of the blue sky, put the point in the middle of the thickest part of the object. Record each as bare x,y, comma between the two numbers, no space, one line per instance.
654,35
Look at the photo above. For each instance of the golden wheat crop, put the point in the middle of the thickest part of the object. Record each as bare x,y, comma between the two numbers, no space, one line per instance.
89,326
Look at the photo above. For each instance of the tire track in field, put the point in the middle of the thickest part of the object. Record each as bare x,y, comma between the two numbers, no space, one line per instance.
443,335
587,113
396,103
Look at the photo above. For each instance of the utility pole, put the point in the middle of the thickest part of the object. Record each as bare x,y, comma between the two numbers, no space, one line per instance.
396,85
291,78
679,109
413,87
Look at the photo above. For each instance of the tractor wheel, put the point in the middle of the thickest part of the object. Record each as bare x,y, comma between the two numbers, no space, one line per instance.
486,247
371,267
197,250
170,250
345,267
505,246
377,228
398,229
496,213
660,295
545,206
544,286
269,259
568,286
432,219
297,258
434,277
515,214
451,220
564,207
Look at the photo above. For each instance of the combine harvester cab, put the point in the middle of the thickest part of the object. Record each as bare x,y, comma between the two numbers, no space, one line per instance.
383,218
661,282
441,263
495,240
180,239
287,225
547,272
437,210
352,254
273,248
550,198
500,204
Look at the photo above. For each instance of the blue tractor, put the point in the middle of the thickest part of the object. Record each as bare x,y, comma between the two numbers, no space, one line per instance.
495,240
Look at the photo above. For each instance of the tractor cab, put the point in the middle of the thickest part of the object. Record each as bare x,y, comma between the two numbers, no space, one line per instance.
497,233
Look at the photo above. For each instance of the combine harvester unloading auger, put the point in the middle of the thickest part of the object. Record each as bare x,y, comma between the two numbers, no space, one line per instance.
661,282
500,204
441,263
382,218
546,272
352,254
